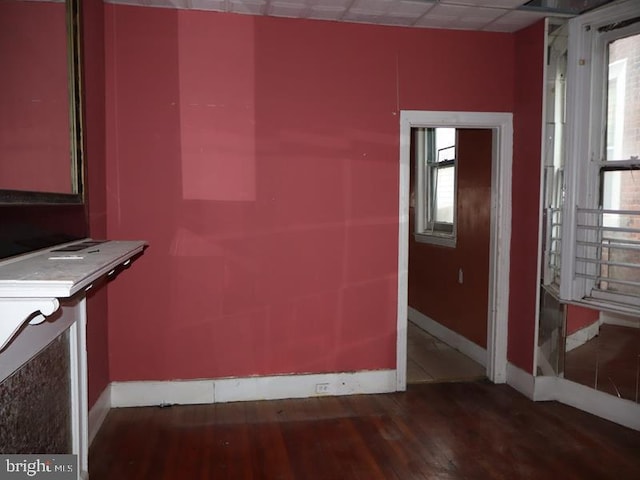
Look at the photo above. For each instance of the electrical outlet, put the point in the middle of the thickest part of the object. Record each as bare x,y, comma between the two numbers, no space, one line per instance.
322,388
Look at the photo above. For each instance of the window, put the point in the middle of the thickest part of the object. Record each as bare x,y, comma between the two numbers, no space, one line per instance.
435,195
601,262
554,160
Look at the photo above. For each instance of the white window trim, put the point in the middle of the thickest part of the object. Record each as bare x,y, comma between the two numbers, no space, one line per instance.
585,127
422,234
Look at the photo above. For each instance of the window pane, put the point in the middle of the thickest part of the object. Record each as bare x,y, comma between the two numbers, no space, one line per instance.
444,197
621,235
445,144
623,107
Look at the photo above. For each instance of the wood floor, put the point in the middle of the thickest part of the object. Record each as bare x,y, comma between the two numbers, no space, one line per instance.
430,360
433,431
609,362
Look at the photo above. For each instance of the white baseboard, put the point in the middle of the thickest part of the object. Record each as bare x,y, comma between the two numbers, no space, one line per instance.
188,392
451,338
548,388
98,412
521,381
618,410
146,393
582,336
618,319
545,388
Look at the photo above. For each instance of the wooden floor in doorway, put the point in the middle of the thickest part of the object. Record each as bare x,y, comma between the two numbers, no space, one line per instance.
452,431
431,360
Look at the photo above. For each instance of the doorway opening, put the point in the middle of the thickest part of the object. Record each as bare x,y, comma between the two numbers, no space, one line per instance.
449,233
501,128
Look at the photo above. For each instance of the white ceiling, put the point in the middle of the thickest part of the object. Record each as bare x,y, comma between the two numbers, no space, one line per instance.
488,15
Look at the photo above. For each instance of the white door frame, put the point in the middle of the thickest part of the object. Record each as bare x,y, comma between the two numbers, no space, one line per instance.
500,244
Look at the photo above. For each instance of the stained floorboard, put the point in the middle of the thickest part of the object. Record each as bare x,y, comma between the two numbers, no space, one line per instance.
445,431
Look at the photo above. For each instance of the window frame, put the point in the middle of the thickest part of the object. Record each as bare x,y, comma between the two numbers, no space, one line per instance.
587,83
427,230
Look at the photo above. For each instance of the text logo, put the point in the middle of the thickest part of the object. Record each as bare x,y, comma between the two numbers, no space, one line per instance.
39,467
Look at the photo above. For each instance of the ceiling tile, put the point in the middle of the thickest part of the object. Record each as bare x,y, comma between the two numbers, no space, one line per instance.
396,20
329,4
325,13
371,6
488,15
361,17
288,9
459,17
506,4
255,7
514,21
409,9
215,5
460,12
430,22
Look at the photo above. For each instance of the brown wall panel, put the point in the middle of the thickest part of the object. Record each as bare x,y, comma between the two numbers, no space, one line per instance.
434,289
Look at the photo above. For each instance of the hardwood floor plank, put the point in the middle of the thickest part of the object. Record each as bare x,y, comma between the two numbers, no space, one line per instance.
449,431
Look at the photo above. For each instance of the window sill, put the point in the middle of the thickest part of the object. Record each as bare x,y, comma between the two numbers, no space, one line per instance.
610,307
434,239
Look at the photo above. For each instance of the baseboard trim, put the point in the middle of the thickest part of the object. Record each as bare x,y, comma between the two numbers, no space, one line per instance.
190,392
98,412
619,320
582,336
548,388
618,410
521,381
545,388
448,336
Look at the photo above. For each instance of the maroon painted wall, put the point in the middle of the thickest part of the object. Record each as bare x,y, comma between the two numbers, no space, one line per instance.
96,198
580,317
259,157
34,107
434,289
527,126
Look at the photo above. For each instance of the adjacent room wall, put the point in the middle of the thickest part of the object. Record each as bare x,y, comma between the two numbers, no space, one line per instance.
434,286
259,158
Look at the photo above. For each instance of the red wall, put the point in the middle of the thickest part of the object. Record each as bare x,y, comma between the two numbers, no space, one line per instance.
434,289
259,158
580,317
34,107
96,201
527,126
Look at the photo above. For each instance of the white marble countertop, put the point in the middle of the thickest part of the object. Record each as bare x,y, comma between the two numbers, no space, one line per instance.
50,273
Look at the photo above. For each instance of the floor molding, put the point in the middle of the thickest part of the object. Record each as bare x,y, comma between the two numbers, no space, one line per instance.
619,320
548,388
451,338
521,381
618,410
188,392
582,336
98,412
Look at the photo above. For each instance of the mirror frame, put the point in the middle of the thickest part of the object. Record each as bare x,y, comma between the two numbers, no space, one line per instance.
75,95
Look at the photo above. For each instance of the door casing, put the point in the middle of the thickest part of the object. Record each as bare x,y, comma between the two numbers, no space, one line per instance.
501,125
